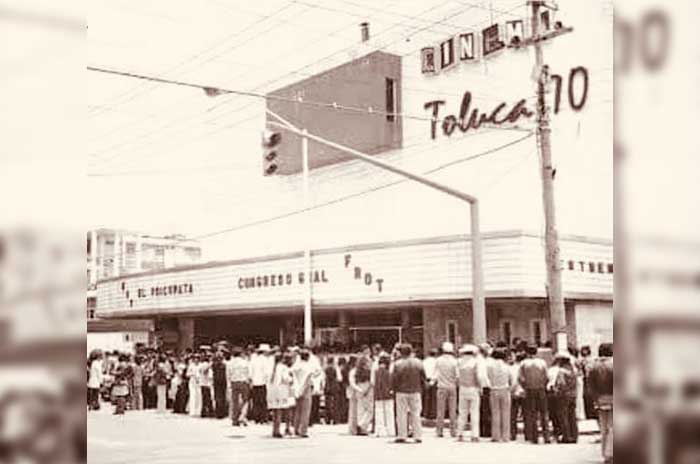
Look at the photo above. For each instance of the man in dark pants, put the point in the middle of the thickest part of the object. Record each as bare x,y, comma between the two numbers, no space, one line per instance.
584,365
564,390
219,378
260,371
517,399
533,379
331,392
601,378
429,392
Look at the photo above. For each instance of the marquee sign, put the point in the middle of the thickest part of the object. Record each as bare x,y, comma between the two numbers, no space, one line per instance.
472,118
178,288
469,46
412,271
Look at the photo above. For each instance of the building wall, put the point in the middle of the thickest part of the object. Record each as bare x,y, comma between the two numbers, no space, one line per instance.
594,323
518,311
360,83
435,320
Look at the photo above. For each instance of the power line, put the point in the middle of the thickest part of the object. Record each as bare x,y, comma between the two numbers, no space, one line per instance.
204,52
364,192
297,71
220,91
355,194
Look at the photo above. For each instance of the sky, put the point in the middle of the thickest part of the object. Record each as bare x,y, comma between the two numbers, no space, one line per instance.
165,159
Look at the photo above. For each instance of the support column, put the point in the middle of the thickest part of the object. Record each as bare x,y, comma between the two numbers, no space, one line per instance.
344,326
185,330
406,332
288,332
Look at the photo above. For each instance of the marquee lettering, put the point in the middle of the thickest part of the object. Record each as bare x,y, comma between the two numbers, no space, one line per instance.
280,280
366,277
473,118
593,267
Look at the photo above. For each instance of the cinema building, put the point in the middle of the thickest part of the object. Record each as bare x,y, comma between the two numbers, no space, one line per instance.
415,291
388,262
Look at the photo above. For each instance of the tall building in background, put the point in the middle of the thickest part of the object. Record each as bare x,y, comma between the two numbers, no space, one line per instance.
114,253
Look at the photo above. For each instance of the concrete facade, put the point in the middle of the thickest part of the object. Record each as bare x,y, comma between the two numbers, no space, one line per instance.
360,83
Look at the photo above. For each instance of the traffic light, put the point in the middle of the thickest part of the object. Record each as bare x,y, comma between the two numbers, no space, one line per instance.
270,142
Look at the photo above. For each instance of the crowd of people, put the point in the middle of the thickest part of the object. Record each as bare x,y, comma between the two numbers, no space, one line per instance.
482,390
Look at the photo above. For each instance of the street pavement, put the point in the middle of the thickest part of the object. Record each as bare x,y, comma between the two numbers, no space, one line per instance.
149,437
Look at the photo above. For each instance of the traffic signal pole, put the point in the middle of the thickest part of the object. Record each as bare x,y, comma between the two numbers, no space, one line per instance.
308,320
478,300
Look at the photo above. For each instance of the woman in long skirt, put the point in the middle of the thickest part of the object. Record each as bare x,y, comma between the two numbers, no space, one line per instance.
195,399
279,395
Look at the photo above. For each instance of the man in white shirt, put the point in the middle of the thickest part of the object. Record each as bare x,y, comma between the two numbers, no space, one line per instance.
205,384
316,387
303,372
95,382
430,393
260,375
238,374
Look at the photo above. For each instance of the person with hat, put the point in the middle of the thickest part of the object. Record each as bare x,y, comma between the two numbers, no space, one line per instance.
238,374
260,374
471,378
446,378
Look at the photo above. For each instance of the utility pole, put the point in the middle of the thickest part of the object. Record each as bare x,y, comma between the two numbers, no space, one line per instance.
555,297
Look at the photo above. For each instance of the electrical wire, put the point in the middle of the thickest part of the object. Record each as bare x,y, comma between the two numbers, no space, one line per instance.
353,195
221,91
295,71
211,48
292,72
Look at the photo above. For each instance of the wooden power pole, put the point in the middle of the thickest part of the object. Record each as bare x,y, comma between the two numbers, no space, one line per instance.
555,296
